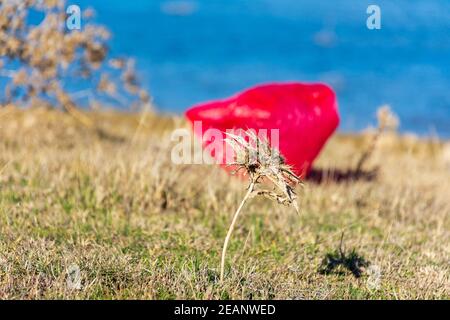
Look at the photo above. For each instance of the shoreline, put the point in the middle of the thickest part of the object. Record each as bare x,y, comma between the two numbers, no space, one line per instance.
167,117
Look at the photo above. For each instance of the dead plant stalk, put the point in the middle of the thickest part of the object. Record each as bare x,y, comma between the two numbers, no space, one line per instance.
260,162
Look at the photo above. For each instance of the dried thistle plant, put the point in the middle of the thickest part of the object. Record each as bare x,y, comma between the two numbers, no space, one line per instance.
261,163
387,121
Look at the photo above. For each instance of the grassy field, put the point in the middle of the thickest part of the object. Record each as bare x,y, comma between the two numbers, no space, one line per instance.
110,203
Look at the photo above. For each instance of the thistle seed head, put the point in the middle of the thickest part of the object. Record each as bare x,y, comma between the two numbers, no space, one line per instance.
261,162
387,120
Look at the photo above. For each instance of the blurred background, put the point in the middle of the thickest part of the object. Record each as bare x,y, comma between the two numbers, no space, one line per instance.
189,51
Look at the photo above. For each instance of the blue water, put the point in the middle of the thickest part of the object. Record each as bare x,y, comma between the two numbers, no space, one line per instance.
195,50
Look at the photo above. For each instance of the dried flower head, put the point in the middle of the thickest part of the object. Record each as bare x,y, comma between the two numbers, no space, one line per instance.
387,120
262,162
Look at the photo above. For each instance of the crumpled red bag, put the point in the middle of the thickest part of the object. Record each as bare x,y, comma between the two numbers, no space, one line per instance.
305,114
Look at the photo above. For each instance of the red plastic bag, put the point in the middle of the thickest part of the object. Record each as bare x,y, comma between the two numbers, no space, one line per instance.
305,114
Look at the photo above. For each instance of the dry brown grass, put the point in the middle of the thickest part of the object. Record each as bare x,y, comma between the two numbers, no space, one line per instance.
111,202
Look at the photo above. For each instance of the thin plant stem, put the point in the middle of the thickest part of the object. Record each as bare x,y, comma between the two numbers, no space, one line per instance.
230,230
368,152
